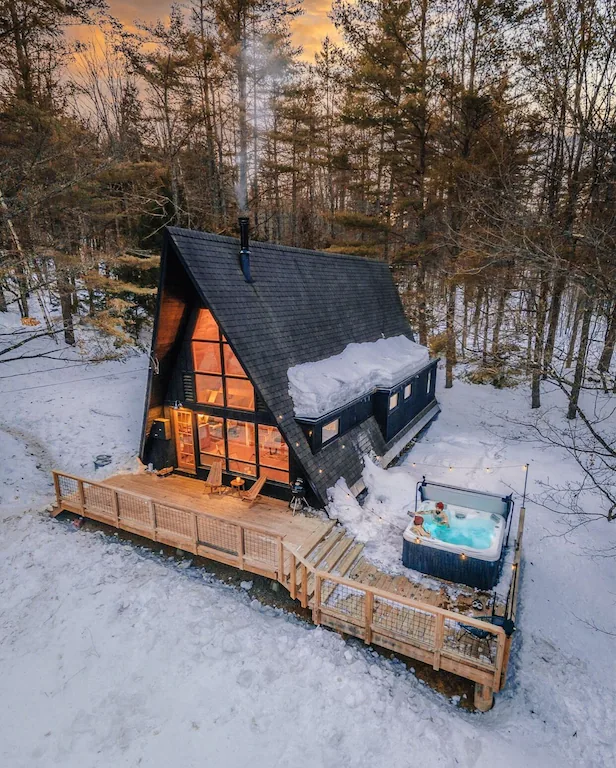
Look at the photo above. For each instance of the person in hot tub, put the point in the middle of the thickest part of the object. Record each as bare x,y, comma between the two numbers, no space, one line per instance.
440,516
418,528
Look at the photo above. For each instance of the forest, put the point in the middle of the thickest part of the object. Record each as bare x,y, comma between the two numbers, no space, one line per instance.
470,144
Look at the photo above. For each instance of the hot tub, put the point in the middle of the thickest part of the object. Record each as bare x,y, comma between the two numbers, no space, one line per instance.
471,550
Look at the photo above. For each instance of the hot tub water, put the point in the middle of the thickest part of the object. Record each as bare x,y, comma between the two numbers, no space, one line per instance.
474,531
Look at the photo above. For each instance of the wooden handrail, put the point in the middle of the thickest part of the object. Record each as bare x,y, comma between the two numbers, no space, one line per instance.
459,618
174,507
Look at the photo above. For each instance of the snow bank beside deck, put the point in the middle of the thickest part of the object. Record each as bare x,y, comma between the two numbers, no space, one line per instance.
323,386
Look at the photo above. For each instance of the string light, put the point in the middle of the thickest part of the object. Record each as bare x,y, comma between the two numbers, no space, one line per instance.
451,467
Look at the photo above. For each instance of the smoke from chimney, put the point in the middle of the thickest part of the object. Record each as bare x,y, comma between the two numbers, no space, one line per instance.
244,222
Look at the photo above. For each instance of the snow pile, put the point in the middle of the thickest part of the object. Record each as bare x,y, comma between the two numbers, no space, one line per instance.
320,387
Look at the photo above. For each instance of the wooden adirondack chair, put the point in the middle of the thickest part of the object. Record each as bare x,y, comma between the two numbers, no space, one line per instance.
213,483
252,494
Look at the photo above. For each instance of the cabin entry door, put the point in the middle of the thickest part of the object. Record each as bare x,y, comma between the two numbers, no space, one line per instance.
184,440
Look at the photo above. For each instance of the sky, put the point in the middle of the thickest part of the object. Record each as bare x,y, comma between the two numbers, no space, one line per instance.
308,30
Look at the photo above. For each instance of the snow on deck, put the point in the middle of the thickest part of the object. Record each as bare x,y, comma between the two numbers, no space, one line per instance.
325,385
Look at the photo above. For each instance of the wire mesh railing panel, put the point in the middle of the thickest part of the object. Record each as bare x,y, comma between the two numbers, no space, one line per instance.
69,489
99,500
415,626
344,599
261,548
217,534
174,521
133,509
469,642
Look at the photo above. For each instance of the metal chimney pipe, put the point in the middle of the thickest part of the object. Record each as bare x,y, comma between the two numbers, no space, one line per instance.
244,223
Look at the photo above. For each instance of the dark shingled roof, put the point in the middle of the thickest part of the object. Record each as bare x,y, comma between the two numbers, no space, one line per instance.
303,306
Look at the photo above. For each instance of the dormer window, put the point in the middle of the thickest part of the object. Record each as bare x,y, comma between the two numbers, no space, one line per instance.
329,431
393,401
408,391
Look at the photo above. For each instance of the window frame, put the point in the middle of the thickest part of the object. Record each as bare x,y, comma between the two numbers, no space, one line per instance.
335,421
408,386
395,398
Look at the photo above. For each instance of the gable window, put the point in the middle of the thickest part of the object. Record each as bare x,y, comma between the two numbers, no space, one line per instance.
219,376
393,401
329,431
408,391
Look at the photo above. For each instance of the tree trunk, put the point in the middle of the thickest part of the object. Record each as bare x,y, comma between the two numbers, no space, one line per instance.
66,306
3,306
500,315
538,348
574,330
580,365
557,293
451,337
422,327
610,341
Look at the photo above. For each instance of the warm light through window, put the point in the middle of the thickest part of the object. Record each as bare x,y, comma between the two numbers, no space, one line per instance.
393,401
211,436
408,391
232,364
330,430
209,389
241,441
206,357
206,327
240,394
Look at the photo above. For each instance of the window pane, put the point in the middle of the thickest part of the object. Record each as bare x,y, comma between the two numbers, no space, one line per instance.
241,441
211,438
232,364
243,468
206,357
407,391
393,401
273,450
275,474
209,389
329,431
206,327
240,394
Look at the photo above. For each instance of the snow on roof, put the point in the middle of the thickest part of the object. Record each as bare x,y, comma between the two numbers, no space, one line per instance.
323,386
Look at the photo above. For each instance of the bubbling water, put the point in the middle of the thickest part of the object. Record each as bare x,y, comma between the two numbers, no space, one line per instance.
476,532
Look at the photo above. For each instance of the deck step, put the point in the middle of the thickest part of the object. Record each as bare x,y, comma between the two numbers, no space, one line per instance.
328,563
320,552
343,567
315,539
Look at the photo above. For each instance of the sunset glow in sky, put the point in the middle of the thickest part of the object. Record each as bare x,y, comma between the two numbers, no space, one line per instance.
308,30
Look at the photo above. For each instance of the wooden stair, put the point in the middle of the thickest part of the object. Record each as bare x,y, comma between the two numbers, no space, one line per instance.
331,550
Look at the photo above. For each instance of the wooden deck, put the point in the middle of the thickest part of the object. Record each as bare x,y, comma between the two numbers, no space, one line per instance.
317,561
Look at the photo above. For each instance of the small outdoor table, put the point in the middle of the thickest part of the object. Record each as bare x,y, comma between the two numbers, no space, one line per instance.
238,485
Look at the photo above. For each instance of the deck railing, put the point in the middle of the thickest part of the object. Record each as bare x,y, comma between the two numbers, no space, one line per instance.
447,640
233,542
444,639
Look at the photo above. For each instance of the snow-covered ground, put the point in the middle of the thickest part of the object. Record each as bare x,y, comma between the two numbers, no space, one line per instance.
113,656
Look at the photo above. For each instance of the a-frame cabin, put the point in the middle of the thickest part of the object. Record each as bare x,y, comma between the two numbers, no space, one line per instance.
230,324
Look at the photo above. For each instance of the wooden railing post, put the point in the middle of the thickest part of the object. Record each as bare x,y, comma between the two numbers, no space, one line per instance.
304,586
316,608
56,485
240,547
115,507
195,532
439,632
293,578
368,611
498,664
82,496
153,518
280,561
